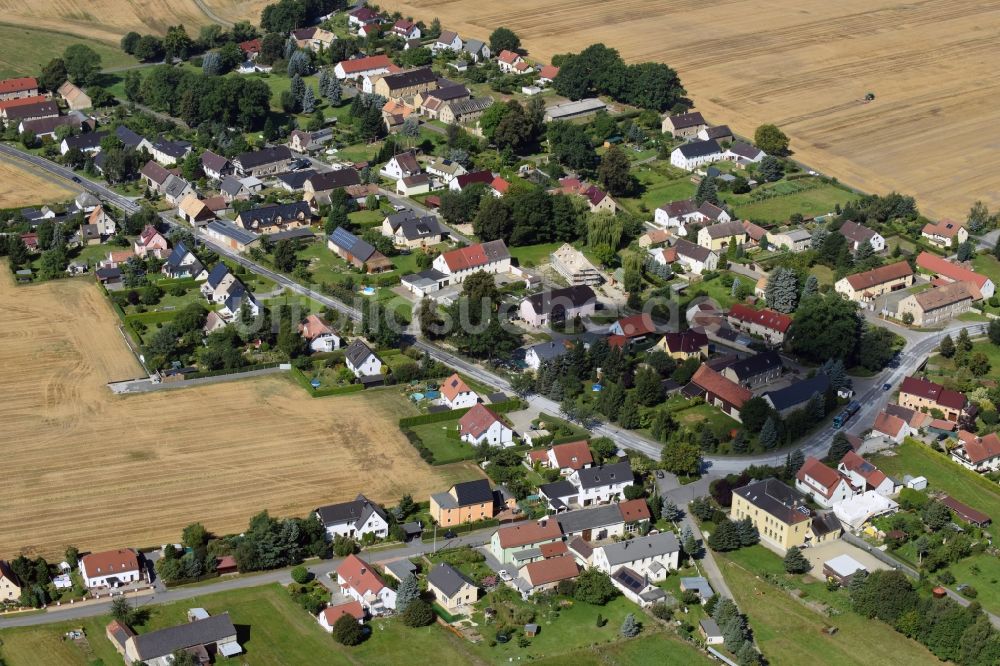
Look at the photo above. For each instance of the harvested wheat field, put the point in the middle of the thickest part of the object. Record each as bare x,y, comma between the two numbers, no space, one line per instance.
21,185
84,467
805,66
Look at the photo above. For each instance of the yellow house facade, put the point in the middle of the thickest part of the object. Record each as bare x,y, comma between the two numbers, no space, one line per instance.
10,589
467,502
779,512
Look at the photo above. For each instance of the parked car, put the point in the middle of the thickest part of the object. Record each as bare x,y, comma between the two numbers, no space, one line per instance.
505,575
886,386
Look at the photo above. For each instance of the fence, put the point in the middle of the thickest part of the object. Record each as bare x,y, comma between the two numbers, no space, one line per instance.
323,392
230,371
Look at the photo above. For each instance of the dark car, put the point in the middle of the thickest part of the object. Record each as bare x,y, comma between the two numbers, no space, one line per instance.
450,534
76,179
886,387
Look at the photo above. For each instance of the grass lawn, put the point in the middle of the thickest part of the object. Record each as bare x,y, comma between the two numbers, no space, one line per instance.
716,290
917,459
442,439
789,632
562,629
26,51
810,202
943,369
533,255
988,265
660,649
715,418
661,184
823,273
983,573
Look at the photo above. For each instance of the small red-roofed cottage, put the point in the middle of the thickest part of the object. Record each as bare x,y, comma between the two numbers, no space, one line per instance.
825,485
481,425
634,328
508,61
111,568
634,513
570,457
865,476
548,74
980,454
890,426
329,615
456,393
150,241
546,574
360,582
767,324
499,187
716,390
490,257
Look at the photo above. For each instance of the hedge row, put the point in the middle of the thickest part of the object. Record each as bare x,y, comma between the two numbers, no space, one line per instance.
303,381
426,454
230,371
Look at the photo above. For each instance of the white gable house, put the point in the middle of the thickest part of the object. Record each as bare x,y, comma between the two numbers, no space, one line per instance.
361,360
652,556
354,519
600,485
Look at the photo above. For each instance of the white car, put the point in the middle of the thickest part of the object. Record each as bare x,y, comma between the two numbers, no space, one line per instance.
505,576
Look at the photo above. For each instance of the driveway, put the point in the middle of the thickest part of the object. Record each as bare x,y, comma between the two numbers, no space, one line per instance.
817,555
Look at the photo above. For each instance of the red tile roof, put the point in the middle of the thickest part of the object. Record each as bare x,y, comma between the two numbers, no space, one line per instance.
869,472
359,576
551,570
21,101
508,57
365,64
477,420
881,275
8,86
980,449
500,185
634,510
540,455
965,512
945,228
474,256
713,382
572,455
528,532
453,386
334,613
548,72
928,390
887,424
314,326
935,264
554,549
827,477
110,562
635,326
775,321
250,46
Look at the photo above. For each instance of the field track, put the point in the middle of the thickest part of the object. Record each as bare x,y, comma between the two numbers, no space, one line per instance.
98,471
931,131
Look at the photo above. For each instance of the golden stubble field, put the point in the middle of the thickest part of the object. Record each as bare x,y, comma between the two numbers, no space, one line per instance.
931,132
20,185
108,20
84,467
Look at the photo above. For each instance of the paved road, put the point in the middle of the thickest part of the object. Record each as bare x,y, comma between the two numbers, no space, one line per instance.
319,568
872,399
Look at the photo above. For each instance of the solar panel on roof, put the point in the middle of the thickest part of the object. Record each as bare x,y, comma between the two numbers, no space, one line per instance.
629,580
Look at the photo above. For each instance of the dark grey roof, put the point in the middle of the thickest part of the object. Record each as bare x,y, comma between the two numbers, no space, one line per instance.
200,632
825,523
548,350
589,519
332,180
33,110
415,227
127,137
448,579
348,242
473,492
230,230
402,568
556,489
719,132
595,477
755,365
269,215
174,149
214,162
684,120
410,77
219,271
292,234
425,278
177,255
87,141
357,352
108,273
781,501
798,393
231,186
256,158
174,186
653,545
745,150
700,148
565,298
463,106
296,179
692,250
356,511
453,91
